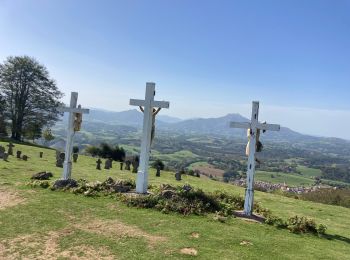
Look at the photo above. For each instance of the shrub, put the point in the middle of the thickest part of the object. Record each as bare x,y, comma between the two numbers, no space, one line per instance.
301,225
75,149
158,163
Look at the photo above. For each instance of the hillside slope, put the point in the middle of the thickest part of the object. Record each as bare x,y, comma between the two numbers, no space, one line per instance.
41,223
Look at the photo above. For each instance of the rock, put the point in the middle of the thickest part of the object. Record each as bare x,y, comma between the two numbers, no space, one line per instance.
168,194
62,184
42,176
187,188
121,188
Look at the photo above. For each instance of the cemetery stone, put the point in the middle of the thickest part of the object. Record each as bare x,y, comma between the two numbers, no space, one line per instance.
10,150
60,160
75,157
19,154
121,166
135,165
178,176
41,154
127,165
158,171
25,157
107,164
5,156
57,155
98,164
2,151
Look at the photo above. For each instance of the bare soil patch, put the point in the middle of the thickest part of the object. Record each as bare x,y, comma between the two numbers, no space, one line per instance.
9,199
209,171
195,235
47,247
115,228
189,251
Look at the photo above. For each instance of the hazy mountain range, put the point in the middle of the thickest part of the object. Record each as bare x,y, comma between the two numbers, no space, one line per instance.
201,126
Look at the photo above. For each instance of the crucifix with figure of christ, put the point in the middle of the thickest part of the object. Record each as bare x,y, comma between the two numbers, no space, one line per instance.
147,106
74,124
254,128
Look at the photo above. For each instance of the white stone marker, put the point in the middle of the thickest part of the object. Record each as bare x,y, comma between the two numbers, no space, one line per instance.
149,103
72,110
254,125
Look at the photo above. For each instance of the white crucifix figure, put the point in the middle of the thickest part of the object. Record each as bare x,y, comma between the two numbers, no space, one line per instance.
254,127
74,121
148,120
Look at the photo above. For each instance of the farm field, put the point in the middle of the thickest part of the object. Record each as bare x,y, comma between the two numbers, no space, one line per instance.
40,224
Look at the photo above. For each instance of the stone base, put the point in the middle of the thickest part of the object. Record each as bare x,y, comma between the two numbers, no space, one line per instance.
253,218
62,184
42,176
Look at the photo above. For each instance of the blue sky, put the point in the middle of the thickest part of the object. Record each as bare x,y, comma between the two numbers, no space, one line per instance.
208,58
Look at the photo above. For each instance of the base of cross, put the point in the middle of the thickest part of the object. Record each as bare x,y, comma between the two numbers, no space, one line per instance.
252,218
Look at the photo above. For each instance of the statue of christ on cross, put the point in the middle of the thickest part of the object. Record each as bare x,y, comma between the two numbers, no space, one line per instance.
154,113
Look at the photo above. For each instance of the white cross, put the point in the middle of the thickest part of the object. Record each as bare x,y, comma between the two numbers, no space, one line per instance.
148,104
72,109
253,125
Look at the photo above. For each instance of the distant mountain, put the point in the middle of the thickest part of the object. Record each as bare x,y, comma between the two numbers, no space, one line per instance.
129,117
219,126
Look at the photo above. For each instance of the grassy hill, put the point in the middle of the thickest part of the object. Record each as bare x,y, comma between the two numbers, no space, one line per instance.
41,224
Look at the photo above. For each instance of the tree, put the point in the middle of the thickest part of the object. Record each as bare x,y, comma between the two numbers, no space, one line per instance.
31,96
47,135
158,163
118,154
75,149
3,125
33,131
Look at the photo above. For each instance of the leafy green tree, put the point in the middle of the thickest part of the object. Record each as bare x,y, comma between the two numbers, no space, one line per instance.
118,154
158,163
33,131
47,135
75,149
29,93
3,125
93,150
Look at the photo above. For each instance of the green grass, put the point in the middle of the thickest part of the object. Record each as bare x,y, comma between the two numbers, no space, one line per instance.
278,177
177,156
198,164
308,172
45,212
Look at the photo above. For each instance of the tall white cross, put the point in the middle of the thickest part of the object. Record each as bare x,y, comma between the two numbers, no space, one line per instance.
149,103
72,109
254,125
